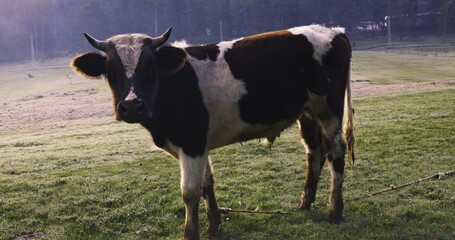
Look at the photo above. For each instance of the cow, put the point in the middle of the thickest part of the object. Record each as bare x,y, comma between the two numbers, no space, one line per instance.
196,98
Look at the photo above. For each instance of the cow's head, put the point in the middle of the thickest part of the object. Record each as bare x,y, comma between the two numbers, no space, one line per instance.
132,64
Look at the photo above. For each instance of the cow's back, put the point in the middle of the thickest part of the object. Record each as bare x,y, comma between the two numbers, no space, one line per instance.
259,85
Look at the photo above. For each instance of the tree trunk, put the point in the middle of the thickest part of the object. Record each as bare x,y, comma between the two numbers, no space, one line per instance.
444,24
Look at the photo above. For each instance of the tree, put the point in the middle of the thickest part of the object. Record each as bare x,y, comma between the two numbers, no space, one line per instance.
448,17
57,26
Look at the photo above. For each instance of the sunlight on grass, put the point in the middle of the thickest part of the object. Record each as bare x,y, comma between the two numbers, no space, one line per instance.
105,182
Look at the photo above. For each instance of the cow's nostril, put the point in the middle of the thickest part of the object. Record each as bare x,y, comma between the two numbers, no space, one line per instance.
141,107
132,111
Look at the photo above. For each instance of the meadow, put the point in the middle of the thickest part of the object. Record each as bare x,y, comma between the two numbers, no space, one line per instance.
63,176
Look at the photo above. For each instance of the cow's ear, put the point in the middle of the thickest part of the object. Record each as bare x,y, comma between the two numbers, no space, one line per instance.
89,65
170,59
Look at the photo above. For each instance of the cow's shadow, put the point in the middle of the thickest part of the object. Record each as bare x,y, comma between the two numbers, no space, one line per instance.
266,226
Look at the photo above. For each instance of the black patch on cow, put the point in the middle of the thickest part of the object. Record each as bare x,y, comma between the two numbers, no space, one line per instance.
90,64
203,52
170,59
179,113
277,69
338,164
148,41
336,64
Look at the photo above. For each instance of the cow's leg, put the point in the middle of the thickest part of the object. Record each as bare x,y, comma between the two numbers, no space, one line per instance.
211,206
336,148
312,139
192,179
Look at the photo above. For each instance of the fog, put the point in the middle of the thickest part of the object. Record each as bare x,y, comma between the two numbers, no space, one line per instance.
43,29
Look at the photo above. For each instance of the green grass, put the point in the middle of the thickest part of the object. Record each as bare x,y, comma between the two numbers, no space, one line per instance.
100,179
389,68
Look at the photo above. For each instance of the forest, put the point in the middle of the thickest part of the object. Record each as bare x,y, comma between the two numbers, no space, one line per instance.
42,29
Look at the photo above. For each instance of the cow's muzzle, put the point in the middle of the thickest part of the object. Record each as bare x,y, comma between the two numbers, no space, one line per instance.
132,111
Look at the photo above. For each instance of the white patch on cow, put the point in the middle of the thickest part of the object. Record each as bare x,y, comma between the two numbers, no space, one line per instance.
192,170
332,132
131,95
337,144
221,93
129,47
224,46
307,148
171,149
317,108
331,127
180,44
320,37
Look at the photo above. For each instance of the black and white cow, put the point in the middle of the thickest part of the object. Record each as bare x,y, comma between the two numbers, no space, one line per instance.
196,98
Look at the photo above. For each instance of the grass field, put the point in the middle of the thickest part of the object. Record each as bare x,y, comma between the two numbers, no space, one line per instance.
95,178
389,68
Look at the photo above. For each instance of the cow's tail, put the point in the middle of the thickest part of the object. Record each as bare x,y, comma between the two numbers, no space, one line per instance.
348,126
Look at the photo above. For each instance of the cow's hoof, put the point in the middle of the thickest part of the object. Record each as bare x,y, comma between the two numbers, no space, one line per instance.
214,222
304,207
191,237
212,233
335,218
214,228
305,204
